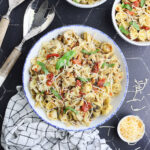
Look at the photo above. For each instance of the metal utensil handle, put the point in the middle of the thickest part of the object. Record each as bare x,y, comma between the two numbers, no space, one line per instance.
3,28
8,65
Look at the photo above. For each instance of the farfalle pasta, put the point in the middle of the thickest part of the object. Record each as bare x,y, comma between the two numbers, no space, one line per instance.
74,78
133,19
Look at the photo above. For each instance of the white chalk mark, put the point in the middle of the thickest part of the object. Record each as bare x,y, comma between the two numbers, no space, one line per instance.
139,87
139,58
106,127
117,117
108,132
137,109
57,3
1,2
147,145
135,100
115,36
131,143
109,128
3,93
114,146
86,19
131,91
138,148
59,17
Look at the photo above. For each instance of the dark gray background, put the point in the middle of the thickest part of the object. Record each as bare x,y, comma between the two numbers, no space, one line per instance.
100,18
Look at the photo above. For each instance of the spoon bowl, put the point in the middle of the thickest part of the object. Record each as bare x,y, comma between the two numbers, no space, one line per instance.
37,18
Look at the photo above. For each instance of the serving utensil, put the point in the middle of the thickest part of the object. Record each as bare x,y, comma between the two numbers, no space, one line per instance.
38,16
6,20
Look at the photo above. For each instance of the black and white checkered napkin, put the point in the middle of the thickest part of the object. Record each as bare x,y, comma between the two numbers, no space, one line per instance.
23,129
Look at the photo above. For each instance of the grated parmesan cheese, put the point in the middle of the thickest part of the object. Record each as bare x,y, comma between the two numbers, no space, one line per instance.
131,129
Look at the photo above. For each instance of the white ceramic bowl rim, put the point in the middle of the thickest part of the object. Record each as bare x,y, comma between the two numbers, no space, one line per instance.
120,33
120,133
126,86
86,6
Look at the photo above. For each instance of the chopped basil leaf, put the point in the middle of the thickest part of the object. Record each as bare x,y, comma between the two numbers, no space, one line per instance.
142,3
127,6
89,79
122,5
111,65
55,93
70,108
135,25
123,30
43,67
89,53
103,65
106,64
42,92
83,79
64,60
106,84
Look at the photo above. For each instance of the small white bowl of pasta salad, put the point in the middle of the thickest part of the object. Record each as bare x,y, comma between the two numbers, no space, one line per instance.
75,78
86,3
131,19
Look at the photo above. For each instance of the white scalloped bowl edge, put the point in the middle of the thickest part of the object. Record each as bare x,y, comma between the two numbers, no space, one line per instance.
116,102
120,33
86,6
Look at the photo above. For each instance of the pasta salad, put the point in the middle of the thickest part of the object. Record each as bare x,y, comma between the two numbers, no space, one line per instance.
133,19
88,2
74,78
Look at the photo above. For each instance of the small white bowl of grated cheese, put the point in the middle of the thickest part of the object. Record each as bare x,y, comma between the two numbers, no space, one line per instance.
86,4
131,129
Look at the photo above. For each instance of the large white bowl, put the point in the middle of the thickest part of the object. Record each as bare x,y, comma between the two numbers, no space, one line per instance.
116,102
120,33
86,6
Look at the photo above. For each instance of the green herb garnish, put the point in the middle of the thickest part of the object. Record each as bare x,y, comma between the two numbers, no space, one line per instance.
64,60
106,64
122,5
83,79
106,84
142,2
55,93
43,67
103,65
111,65
135,25
70,108
123,30
127,6
90,53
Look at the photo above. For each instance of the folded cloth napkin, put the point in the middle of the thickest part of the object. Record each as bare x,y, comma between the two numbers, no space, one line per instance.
23,130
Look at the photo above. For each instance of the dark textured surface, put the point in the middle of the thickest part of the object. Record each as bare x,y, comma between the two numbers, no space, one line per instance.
100,18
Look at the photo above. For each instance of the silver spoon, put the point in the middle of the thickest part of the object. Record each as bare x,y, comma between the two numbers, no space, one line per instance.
37,19
5,19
